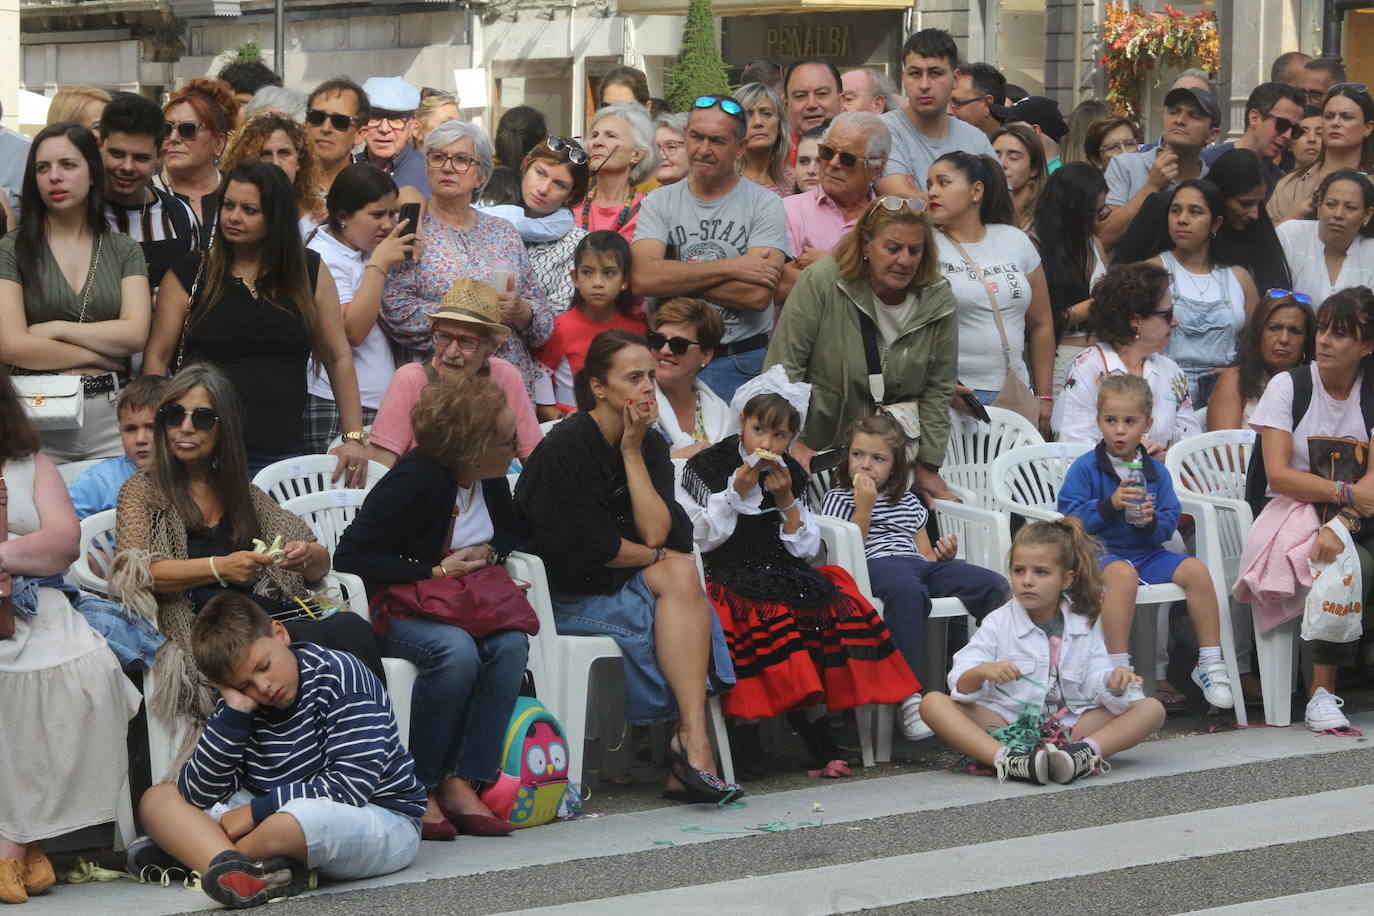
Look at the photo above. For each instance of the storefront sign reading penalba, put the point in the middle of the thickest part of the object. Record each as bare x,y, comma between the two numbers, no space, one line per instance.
808,41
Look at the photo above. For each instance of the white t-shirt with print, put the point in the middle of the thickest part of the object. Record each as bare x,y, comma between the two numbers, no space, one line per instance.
1325,416
1007,258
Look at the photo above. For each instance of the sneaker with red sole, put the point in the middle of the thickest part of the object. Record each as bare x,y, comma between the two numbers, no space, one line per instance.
238,882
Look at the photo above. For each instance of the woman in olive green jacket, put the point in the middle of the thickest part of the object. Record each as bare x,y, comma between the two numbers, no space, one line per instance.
884,272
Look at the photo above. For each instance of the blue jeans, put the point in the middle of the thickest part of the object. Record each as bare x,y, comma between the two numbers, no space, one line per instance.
726,373
906,584
462,702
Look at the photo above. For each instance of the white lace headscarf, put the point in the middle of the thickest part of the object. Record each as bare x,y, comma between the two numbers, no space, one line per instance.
774,381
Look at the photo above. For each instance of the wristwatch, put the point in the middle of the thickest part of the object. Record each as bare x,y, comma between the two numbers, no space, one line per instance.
361,437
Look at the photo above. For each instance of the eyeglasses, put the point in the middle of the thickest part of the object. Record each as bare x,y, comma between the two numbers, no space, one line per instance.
465,343
679,345
1358,88
396,123
461,163
1121,146
847,160
960,103
1166,314
671,148
1277,293
202,418
894,204
728,105
186,130
340,122
1285,126
512,443
576,155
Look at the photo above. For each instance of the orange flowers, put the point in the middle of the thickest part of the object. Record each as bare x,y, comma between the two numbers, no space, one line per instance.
1138,42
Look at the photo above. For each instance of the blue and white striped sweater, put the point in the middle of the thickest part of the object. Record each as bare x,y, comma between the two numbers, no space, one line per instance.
337,741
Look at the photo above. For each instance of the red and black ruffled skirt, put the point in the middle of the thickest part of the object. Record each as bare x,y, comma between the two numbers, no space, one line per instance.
789,658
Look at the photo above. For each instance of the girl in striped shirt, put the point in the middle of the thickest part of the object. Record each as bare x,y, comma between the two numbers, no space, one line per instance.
873,491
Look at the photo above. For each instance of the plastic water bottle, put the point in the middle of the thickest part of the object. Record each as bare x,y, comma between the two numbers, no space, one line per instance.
1136,478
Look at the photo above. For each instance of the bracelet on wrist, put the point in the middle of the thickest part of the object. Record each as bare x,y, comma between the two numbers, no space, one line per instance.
376,267
215,572
659,553
1045,397
783,510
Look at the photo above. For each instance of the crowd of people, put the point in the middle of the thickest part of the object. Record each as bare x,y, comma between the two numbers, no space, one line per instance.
659,331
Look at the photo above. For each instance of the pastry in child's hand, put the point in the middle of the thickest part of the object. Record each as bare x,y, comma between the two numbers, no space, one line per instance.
857,478
764,455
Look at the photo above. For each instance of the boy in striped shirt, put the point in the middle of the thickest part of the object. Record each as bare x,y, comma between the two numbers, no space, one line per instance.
300,766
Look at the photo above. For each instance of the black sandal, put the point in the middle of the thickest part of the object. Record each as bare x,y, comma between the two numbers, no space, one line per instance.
699,786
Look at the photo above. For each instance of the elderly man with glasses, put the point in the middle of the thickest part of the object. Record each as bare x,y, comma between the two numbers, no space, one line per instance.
387,132
467,329
853,153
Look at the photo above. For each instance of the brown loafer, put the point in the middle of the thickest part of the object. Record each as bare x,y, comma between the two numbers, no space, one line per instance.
38,873
12,881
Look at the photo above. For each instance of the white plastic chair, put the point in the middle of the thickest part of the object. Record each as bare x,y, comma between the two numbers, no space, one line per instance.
293,477
71,470
973,447
328,513
1027,480
95,554
1209,471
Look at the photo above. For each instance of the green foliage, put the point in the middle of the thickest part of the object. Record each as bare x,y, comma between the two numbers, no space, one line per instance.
699,69
247,51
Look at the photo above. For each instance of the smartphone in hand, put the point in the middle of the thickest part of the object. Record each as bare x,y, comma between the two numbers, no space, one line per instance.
410,212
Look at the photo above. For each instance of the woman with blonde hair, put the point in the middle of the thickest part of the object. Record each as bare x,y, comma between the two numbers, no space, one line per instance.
434,109
81,104
279,140
766,143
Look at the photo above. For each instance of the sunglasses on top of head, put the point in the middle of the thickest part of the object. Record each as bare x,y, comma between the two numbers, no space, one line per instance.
678,345
1277,293
202,418
728,105
576,155
340,122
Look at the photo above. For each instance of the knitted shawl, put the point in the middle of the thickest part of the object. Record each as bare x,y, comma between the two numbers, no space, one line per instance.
148,528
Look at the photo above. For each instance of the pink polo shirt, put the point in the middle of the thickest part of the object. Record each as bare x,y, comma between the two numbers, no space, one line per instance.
814,221
391,429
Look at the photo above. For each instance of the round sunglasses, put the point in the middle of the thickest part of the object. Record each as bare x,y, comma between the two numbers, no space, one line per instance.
576,155
202,418
728,105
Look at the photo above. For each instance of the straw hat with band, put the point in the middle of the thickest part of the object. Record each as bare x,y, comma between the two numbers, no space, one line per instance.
472,302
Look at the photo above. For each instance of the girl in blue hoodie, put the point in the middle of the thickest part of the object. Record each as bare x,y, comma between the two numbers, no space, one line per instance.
1096,490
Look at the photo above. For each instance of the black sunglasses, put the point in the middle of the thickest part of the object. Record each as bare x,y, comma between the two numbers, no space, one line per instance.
186,130
202,418
1166,314
576,155
728,105
340,122
1285,126
679,345
848,160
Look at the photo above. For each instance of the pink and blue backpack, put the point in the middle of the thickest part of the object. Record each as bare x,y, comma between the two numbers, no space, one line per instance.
534,768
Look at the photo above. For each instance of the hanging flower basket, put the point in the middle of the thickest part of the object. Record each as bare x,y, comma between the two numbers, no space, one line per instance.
1138,42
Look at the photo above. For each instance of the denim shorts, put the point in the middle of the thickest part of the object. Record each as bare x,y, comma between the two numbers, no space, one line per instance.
346,842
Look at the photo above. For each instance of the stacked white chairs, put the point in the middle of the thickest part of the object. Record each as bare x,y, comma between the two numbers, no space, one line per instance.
973,447
71,470
1026,481
1209,471
293,477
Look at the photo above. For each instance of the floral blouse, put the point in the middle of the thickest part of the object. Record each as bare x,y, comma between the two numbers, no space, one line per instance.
1075,412
415,288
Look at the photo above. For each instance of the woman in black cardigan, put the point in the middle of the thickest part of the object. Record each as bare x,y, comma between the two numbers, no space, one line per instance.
465,439
597,499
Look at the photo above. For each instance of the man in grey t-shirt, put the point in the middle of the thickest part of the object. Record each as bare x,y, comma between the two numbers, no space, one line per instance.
923,129
718,237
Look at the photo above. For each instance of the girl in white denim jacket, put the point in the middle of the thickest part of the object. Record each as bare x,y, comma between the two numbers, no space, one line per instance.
1041,652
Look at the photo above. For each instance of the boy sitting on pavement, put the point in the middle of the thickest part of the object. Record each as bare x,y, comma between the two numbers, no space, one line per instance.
300,766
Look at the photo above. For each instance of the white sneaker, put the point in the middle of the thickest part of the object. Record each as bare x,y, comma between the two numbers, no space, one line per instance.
1324,711
1215,684
913,727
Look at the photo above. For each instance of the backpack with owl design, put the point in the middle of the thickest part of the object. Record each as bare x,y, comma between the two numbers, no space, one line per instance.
534,768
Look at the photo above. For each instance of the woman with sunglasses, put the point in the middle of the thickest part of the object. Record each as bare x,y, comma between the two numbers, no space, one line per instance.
444,511
74,297
623,155
66,702
1347,145
882,282
1132,317
684,338
1067,215
972,208
766,144
1211,297
462,241
1336,250
282,142
553,181
185,530
262,306
199,116
1280,334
